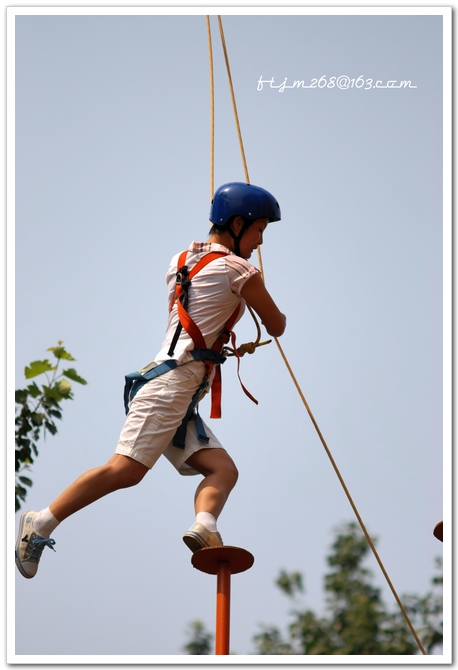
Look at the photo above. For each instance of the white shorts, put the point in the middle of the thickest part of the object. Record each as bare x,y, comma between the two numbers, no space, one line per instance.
155,414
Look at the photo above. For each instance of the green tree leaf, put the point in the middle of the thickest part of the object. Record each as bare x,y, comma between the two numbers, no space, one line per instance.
38,418
34,390
74,376
51,427
51,395
60,353
37,368
21,396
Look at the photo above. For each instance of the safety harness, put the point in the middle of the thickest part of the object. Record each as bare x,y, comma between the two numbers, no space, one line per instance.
213,357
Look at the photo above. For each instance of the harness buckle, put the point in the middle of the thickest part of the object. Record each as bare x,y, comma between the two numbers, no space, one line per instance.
225,335
183,277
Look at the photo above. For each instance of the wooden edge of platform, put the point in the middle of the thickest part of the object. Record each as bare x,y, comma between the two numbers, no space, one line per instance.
209,559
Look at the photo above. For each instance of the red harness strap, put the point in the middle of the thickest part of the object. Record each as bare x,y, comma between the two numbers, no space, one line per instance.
194,331
188,324
223,339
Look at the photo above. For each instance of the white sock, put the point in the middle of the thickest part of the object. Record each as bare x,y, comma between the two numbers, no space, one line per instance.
206,519
45,522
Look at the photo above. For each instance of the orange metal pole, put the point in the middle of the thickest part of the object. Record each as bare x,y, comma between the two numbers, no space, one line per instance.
223,607
223,562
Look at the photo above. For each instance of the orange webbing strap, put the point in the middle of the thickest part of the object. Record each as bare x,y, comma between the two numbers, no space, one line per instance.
194,331
217,387
208,258
185,320
178,288
226,331
215,407
238,371
190,327
205,260
223,339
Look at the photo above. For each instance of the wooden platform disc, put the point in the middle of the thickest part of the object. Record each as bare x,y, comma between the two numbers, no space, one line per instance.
208,559
438,530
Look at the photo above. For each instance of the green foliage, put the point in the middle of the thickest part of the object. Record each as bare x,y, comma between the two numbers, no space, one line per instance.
270,642
426,613
200,640
37,408
290,583
358,622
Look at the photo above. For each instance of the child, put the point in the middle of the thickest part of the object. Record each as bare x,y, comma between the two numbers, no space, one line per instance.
161,418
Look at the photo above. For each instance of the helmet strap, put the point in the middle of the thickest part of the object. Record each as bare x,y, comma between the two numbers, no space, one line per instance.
238,237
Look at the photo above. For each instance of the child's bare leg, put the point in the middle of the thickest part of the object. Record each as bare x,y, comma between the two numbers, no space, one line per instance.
220,477
118,473
35,528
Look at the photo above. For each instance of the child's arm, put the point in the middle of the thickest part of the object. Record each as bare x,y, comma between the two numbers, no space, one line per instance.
256,295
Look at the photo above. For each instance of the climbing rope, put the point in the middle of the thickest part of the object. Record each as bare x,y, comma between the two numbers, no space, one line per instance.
212,111
288,366
248,347
234,106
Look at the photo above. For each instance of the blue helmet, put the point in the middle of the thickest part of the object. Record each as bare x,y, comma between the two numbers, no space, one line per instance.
237,198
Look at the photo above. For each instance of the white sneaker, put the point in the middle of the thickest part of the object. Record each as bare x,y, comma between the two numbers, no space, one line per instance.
199,537
29,546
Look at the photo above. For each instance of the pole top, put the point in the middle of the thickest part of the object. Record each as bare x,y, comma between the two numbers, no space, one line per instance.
438,531
209,559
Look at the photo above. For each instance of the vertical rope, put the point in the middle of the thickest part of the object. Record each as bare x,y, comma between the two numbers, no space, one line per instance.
212,112
320,435
234,106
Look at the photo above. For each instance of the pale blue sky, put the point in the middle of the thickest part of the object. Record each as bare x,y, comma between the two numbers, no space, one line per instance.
112,179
